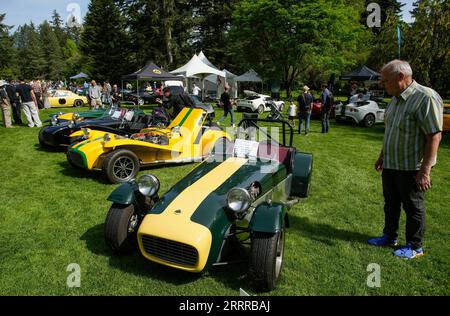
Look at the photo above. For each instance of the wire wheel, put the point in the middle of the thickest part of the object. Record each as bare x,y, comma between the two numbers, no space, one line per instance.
123,167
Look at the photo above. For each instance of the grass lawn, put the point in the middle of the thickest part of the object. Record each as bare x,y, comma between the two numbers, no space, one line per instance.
52,215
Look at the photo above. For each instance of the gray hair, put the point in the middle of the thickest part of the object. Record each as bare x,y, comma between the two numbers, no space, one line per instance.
398,66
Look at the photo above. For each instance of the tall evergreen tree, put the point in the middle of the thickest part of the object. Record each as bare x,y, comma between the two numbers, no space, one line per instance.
58,27
31,59
212,21
55,64
104,41
159,30
7,51
427,44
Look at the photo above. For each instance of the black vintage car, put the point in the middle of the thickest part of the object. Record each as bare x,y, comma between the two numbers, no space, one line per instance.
141,97
117,121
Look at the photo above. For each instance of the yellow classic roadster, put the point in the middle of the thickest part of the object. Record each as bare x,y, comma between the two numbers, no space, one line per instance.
65,98
190,137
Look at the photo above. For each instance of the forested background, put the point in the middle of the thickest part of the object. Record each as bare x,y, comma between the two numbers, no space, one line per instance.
287,41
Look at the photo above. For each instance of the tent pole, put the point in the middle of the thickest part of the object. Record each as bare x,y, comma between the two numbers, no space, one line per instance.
137,92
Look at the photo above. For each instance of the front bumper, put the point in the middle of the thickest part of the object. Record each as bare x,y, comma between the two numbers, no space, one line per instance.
181,245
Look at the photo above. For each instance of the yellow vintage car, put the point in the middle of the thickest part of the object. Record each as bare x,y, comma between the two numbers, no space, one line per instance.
190,137
65,98
446,118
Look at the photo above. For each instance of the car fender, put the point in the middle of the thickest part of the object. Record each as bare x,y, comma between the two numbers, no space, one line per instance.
124,194
210,137
301,180
268,218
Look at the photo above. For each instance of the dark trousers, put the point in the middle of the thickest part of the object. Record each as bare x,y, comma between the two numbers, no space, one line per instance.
39,100
325,116
400,189
17,115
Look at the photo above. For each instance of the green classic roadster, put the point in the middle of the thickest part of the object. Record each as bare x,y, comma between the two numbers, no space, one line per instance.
235,203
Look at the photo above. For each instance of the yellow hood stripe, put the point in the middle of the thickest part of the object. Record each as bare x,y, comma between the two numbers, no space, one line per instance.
189,200
175,222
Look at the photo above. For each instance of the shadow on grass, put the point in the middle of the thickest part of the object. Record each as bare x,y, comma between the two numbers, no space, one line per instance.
48,149
324,233
74,172
232,276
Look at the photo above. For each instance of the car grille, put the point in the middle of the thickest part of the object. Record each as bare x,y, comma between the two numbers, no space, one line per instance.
170,251
75,158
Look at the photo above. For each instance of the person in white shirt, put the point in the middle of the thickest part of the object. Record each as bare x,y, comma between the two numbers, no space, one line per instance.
196,90
292,113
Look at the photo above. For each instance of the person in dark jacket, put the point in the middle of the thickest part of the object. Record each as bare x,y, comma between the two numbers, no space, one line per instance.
175,102
325,97
15,102
305,101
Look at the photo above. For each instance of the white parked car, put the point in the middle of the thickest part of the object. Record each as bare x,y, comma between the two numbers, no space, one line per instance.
256,102
365,112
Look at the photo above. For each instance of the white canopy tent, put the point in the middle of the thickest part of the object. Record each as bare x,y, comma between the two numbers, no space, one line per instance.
197,68
230,78
206,60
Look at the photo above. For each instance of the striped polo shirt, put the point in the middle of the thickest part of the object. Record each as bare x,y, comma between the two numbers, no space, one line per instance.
418,111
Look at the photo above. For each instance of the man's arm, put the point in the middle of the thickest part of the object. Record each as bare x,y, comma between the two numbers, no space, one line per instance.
429,157
379,162
33,96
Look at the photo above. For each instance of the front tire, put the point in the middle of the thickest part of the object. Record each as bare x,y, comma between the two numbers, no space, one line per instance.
266,259
260,109
121,226
369,120
78,103
121,166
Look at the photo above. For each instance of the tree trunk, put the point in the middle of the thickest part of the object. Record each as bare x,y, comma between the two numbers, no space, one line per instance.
167,6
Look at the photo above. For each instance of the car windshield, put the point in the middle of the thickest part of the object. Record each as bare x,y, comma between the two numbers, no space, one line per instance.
252,97
364,103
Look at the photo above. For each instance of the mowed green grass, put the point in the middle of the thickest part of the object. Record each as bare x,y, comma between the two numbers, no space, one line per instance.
52,215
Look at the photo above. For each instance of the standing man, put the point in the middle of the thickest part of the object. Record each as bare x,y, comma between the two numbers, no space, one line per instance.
5,105
305,101
95,94
325,97
413,132
29,103
37,89
15,102
115,95
196,90
225,101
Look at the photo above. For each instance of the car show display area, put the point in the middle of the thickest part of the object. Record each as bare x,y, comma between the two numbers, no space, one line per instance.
52,220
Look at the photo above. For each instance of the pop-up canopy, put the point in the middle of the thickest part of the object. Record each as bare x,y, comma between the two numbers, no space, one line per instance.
362,74
81,75
197,68
249,76
151,72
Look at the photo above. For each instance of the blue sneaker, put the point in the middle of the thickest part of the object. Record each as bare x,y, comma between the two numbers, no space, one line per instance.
407,252
382,241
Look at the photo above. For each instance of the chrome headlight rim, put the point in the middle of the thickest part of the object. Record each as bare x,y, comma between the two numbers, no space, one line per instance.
85,131
148,185
106,137
239,200
54,119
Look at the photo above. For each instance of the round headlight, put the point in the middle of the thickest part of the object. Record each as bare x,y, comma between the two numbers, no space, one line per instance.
239,200
54,120
85,132
106,137
148,185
